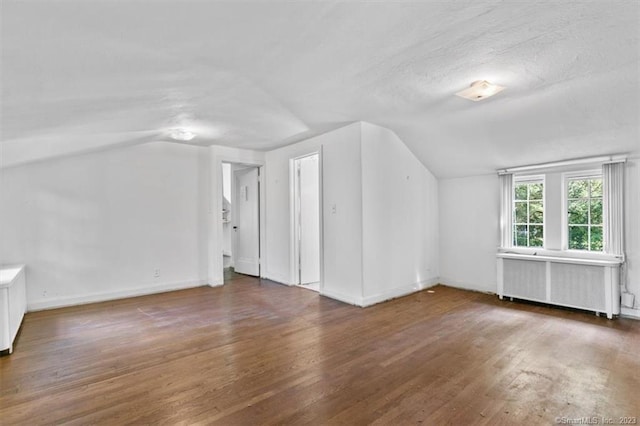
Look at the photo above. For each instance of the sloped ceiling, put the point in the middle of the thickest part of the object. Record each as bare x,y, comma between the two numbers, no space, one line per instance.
80,75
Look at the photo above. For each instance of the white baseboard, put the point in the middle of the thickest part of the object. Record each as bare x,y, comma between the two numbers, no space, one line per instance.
278,278
215,281
381,297
399,292
342,297
468,286
63,301
630,313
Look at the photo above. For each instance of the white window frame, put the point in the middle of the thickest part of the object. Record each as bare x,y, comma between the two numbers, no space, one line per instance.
576,175
519,179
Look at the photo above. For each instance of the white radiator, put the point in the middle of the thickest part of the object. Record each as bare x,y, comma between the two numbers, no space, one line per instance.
13,304
574,282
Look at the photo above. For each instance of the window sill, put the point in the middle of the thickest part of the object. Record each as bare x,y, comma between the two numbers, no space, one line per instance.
562,256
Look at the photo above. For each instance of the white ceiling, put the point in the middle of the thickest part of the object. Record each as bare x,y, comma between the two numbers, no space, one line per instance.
81,75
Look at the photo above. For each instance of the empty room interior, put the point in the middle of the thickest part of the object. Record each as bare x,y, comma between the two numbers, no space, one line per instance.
270,212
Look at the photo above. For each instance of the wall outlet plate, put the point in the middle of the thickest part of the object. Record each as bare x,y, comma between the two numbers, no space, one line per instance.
627,300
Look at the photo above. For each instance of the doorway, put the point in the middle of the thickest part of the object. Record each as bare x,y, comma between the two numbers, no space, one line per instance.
306,187
227,262
241,219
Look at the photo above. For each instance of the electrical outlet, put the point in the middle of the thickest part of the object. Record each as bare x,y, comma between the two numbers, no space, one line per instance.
333,209
156,273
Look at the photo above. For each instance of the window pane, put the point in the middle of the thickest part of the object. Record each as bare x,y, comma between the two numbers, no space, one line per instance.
584,207
578,189
596,212
521,212
535,191
596,187
521,235
535,236
528,209
596,238
578,212
521,191
535,212
578,237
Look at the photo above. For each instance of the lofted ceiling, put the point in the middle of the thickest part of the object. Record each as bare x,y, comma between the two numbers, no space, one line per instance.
79,75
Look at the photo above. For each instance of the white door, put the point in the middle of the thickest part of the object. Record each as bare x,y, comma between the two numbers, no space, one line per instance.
246,226
309,217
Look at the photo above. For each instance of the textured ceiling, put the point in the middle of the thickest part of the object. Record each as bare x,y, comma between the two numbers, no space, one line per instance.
80,75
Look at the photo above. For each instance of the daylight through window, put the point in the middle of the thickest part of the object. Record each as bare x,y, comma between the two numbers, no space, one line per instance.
528,213
584,213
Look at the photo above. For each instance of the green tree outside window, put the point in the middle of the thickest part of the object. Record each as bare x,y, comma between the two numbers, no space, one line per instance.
584,214
528,214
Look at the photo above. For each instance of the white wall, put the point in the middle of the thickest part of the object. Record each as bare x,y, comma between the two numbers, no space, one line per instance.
342,216
400,218
469,210
342,231
380,229
97,226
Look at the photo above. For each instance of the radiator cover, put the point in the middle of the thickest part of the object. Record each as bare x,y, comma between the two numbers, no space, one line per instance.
13,304
591,284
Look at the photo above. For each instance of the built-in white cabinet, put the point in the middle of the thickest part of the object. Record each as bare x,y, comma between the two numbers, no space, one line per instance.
13,304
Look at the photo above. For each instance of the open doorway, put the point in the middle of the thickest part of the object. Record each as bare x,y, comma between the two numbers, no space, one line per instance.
226,216
306,187
241,219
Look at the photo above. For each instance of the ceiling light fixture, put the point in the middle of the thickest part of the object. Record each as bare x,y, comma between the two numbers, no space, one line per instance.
480,90
181,134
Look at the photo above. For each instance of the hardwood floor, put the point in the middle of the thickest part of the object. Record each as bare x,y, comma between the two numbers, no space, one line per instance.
255,352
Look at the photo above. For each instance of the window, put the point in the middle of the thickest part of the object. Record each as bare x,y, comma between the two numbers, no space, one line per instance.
572,208
584,213
528,213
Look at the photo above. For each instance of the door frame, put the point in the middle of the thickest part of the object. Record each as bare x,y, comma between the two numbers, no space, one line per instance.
294,271
216,274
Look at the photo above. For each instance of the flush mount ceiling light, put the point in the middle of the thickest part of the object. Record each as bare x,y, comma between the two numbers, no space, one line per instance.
181,134
480,90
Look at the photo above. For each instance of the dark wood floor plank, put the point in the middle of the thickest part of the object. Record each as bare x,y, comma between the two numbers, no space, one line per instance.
255,352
